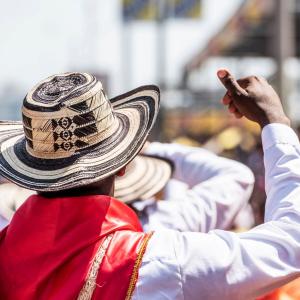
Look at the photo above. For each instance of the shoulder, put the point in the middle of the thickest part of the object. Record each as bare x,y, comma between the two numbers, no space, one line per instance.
159,273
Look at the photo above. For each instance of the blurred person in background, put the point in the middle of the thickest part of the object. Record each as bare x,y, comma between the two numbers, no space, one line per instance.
206,191
83,244
12,197
258,198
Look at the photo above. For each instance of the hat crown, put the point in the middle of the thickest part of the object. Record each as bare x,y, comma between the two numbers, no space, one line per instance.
66,113
58,88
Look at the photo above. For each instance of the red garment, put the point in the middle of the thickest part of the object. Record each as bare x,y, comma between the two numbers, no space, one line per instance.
46,251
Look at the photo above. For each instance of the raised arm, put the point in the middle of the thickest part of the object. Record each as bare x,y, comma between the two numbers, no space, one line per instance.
226,265
244,266
217,189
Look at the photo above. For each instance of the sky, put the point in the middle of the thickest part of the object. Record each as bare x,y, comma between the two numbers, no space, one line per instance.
40,38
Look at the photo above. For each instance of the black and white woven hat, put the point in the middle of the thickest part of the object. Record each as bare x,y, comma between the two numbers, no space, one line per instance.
145,176
72,135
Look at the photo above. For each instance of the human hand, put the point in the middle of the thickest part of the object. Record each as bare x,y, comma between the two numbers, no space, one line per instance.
253,98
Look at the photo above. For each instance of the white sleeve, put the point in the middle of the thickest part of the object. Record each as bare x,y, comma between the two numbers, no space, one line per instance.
218,189
3,222
225,265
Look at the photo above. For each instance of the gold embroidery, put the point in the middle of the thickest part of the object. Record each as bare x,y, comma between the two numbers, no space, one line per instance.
90,282
137,264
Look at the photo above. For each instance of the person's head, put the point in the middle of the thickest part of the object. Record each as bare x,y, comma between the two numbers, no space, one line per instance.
73,138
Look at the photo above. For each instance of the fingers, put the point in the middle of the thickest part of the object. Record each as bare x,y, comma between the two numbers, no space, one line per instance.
238,115
232,108
233,87
227,100
261,79
230,83
244,82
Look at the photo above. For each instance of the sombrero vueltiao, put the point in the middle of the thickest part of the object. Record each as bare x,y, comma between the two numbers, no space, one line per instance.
145,176
72,135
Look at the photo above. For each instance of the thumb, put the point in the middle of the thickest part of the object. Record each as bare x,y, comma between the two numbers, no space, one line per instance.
230,83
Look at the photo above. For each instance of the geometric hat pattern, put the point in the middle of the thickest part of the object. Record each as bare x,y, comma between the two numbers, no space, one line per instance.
72,135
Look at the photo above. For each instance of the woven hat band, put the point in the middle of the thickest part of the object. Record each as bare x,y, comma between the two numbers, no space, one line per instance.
74,127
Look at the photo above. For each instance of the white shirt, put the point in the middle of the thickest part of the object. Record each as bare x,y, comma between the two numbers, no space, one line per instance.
206,192
226,265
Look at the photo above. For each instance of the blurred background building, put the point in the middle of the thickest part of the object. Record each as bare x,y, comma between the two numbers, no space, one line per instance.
177,44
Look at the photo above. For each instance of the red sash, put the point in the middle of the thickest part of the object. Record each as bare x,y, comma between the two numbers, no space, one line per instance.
48,249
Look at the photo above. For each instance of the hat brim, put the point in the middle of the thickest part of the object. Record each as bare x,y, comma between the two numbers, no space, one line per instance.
135,111
145,176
